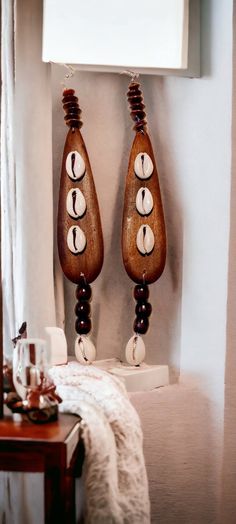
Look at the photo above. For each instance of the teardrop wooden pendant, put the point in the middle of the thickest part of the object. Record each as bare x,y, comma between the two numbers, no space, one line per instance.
143,234
79,232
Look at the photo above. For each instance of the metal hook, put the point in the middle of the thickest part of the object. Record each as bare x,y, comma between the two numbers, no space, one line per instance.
72,71
134,76
70,74
82,275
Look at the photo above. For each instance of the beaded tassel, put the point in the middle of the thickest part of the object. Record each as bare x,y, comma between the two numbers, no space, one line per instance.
80,241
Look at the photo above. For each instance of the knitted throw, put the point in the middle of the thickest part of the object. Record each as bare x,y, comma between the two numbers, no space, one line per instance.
116,487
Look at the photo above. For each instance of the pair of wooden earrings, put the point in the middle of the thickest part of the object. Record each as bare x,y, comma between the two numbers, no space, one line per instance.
80,240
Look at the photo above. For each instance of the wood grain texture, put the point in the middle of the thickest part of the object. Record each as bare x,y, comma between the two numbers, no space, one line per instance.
136,264
52,432
90,261
53,449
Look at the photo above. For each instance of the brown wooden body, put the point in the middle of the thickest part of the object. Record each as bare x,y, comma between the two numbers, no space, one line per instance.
88,263
140,267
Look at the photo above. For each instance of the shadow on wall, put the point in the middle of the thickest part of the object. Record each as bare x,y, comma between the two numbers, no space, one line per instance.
116,284
168,290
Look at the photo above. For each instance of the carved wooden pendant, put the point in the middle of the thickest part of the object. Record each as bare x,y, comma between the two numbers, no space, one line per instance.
143,230
80,241
79,232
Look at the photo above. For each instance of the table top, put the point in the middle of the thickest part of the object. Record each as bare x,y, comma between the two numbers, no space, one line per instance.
50,432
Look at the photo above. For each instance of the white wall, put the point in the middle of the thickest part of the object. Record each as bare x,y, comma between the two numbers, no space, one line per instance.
206,145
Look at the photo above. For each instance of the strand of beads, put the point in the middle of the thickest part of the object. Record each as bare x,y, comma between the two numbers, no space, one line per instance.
143,229
79,231
84,349
82,309
135,349
143,309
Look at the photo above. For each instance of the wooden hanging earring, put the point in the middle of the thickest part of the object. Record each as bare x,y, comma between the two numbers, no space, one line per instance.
143,229
79,232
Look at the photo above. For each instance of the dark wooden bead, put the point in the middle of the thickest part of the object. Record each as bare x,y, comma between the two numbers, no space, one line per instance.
143,309
82,309
141,292
83,326
68,92
138,116
83,292
141,325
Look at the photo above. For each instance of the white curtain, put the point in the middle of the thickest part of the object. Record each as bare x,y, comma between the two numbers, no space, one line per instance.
26,174
8,192
27,212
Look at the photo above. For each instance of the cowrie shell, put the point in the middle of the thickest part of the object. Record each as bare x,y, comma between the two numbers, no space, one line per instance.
135,350
75,165
76,240
145,239
143,166
75,203
85,351
144,201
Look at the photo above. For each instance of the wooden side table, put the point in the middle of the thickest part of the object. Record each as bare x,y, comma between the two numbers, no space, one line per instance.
54,449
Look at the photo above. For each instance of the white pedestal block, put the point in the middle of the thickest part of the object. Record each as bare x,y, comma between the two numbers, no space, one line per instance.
141,378
57,345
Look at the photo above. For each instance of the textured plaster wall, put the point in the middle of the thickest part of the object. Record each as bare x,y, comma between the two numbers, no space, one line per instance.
183,453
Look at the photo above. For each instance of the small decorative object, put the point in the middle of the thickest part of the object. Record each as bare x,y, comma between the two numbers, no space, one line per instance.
22,333
8,386
35,392
57,343
143,230
80,241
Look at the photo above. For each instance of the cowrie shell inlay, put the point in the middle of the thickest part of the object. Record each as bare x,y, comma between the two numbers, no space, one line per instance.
135,350
144,201
85,351
143,166
145,239
75,203
76,240
75,165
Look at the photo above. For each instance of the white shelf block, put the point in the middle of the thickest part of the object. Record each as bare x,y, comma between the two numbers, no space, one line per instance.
143,378
150,37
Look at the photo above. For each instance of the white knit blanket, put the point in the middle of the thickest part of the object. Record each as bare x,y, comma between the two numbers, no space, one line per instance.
116,487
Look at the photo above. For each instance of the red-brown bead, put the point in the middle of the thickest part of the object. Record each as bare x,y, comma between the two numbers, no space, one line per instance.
71,108
137,106
143,309
82,309
141,325
83,292
83,326
141,292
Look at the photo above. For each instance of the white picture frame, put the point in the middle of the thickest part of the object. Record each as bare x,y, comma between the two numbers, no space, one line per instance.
146,37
